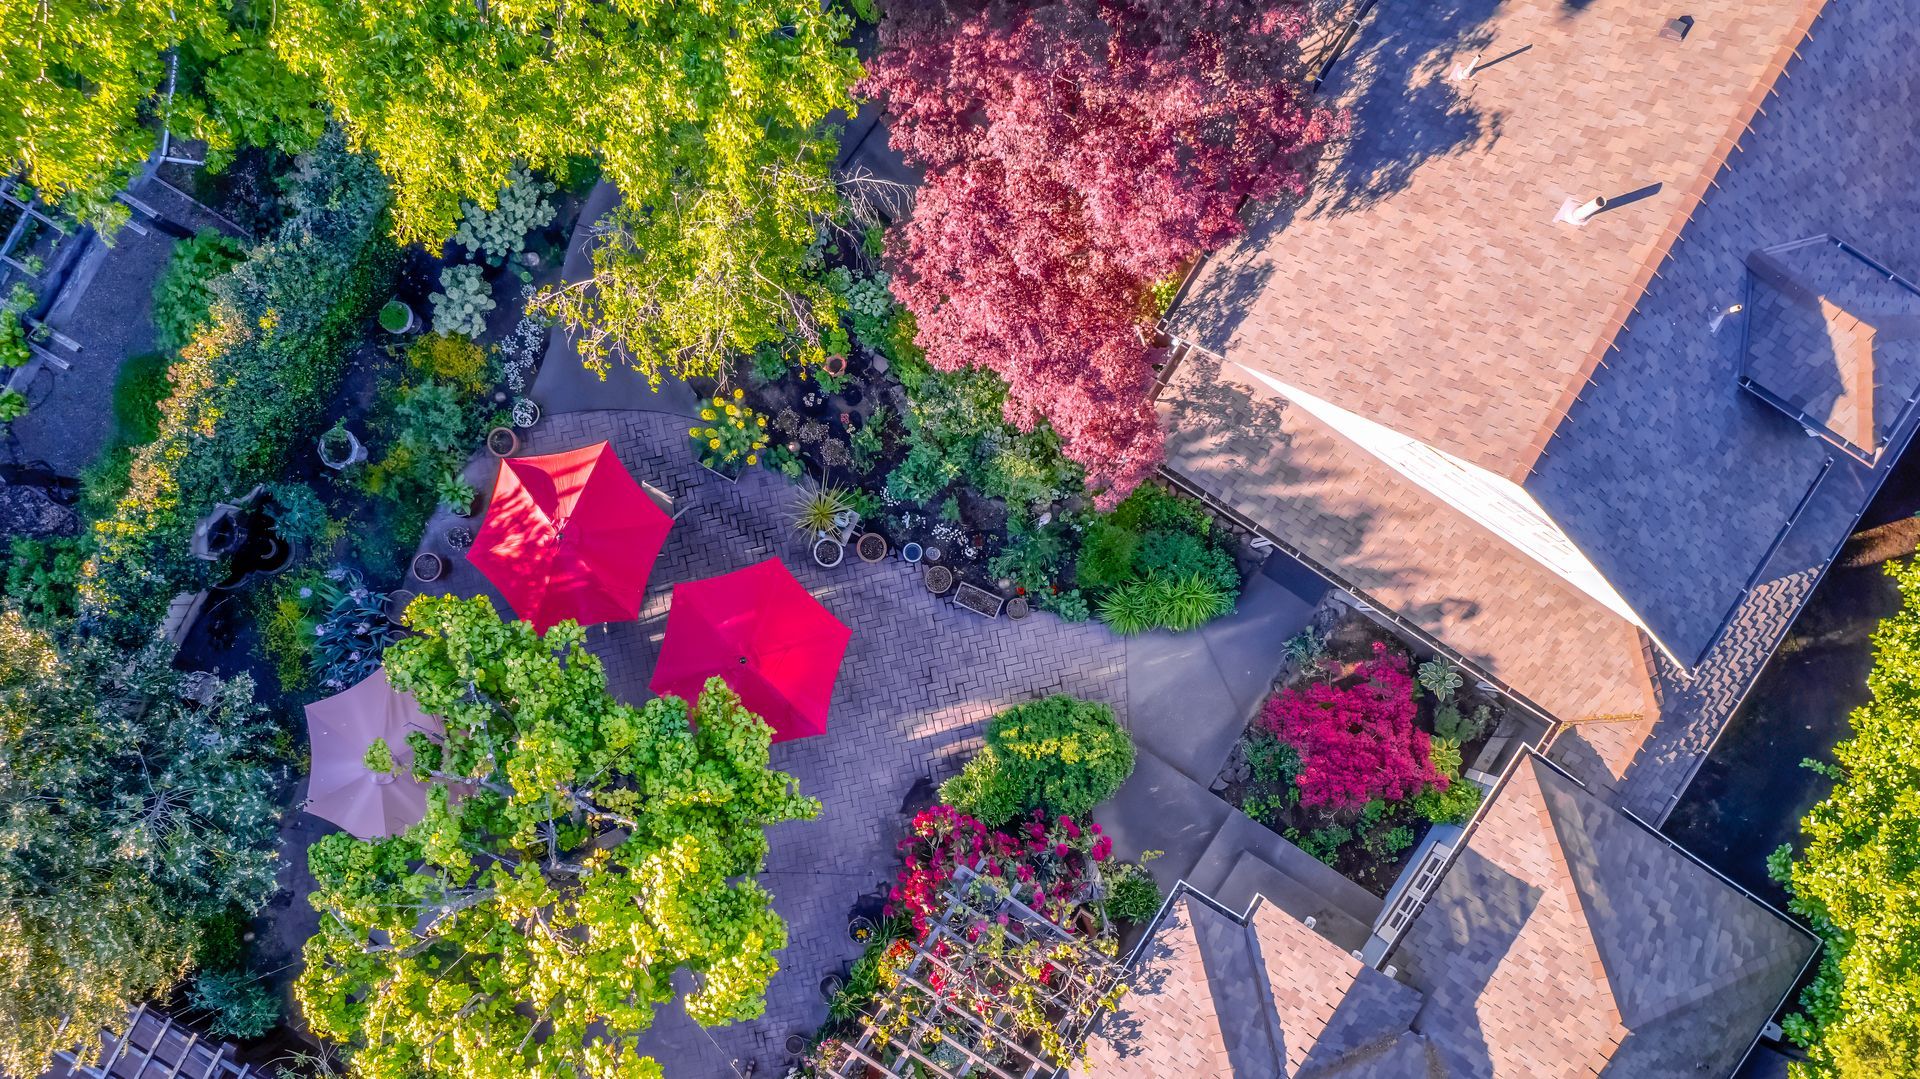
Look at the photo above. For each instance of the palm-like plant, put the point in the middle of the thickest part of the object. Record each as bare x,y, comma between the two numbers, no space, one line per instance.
818,509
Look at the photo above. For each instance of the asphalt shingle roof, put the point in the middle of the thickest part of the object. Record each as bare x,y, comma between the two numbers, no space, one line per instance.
1570,940
1423,284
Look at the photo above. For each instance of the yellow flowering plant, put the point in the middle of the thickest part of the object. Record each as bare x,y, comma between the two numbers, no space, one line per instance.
730,435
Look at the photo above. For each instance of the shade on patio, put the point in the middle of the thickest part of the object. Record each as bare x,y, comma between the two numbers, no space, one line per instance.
569,535
761,631
339,729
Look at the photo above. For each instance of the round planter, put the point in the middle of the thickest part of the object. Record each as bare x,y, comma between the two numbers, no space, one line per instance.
460,539
427,567
1017,607
835,365
502,441
911,552
797,1045
830,987
860,930
939,580
338,454
932,554
397,601
526,412
827,552
871,547
397,317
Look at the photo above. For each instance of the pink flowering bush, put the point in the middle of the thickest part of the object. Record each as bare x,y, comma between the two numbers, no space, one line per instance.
1356,737
1048,863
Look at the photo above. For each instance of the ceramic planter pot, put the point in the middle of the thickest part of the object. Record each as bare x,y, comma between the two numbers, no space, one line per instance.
827,552
871,547
339,449
397,317
910,552
427,567
939,580
502,442
1018,607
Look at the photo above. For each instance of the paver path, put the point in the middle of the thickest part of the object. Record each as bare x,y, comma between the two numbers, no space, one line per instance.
920,679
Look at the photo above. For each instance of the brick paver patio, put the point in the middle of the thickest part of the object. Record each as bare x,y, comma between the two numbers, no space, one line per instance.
920,679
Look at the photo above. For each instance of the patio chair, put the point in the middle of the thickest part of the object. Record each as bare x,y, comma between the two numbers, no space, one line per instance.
664,500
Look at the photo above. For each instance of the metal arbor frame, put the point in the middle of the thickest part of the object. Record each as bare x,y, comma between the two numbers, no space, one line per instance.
987,1045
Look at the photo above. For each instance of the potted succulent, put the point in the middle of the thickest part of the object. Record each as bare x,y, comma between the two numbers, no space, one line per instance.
339,449
525,412
729,437
427,567
397,317
871,547
502,441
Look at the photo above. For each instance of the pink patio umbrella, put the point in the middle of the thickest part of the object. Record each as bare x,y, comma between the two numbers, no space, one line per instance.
339,730
765,634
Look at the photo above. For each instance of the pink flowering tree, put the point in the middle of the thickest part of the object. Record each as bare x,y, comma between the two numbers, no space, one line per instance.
1356,737
1077,152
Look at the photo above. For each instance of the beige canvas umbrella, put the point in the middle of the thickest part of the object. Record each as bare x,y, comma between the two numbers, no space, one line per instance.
340,729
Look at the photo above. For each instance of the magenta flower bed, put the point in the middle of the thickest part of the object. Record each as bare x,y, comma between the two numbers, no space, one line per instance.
1356,738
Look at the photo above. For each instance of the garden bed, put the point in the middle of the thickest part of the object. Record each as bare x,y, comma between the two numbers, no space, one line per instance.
1347,759
927,459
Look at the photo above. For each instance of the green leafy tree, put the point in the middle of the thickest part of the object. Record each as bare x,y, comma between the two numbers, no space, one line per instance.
531,927
129,819
451,95
1859,875
78,76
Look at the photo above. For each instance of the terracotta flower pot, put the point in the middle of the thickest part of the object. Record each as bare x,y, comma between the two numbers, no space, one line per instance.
871,547
939,580
502,441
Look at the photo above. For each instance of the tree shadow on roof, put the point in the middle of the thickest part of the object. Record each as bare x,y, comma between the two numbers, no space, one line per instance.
1403,108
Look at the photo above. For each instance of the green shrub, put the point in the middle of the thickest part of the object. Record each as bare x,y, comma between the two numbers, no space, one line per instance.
1439,678
1132,893
139,387
183,297
13,405
14,350
1106,557
1274,762
863,982
1031,559
249,387
299,515
1325,843
1068,603
237,1004
1154,508
1182,554
1448,722
454,360
42,576
428,435
1451,806
1057,753
1384,843
922,476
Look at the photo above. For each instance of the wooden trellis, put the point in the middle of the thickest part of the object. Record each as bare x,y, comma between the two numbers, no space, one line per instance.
988,1045
154,1047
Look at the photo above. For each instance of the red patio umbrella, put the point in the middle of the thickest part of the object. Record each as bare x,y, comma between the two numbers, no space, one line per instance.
569,535
759,629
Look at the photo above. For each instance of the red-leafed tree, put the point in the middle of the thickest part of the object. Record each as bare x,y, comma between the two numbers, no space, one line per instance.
1076,152
1356,737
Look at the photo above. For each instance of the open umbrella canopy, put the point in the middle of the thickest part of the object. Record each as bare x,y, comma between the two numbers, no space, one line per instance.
340,729
569,535
762,632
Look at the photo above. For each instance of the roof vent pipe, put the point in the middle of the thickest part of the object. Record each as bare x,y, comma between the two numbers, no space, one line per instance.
1580,213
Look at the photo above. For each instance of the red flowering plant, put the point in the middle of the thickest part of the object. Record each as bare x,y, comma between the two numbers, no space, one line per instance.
1356,737
1049,864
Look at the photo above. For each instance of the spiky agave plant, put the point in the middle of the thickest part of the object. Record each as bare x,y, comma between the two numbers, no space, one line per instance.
817,508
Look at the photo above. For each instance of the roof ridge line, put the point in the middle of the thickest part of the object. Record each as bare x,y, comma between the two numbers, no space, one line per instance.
1691,200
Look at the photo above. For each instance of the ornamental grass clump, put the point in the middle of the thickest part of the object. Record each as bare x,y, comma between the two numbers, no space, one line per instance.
731,436
1356,737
